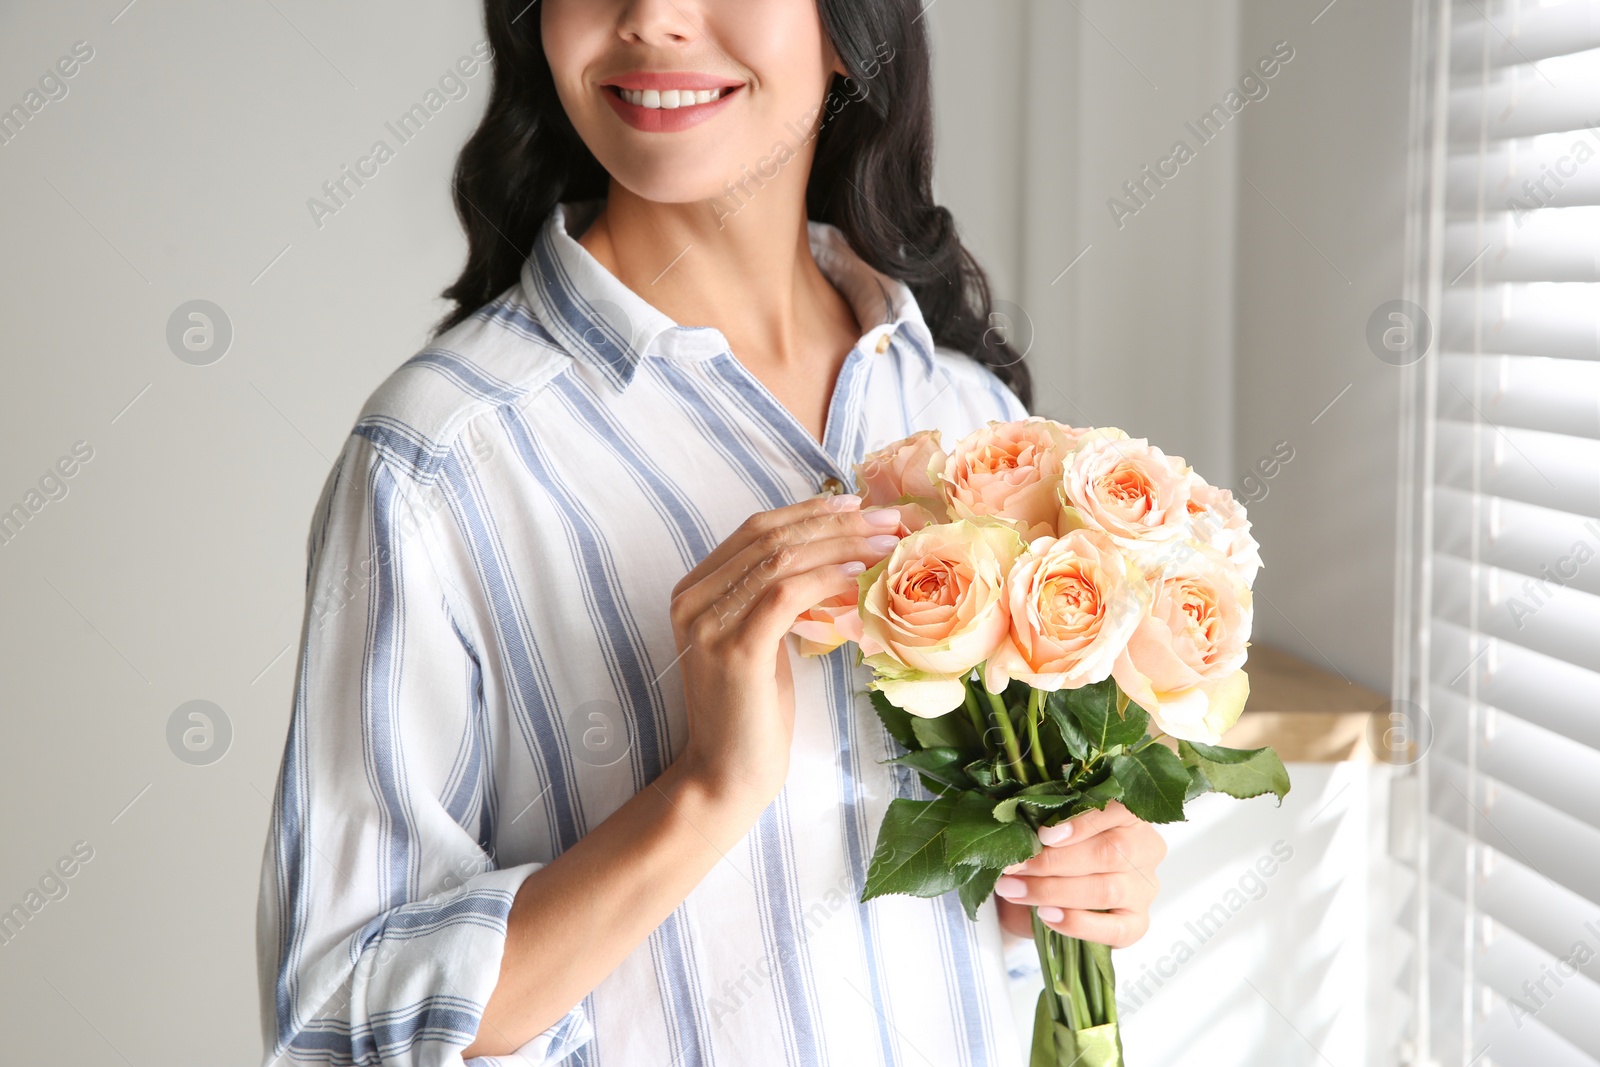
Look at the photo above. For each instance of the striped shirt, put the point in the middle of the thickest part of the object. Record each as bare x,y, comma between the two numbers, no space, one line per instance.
487,672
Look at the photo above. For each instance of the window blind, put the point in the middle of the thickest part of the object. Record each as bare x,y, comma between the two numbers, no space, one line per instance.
1501,635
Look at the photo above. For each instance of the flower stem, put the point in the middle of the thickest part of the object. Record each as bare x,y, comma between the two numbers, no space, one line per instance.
1008,736
1036,750
1152,739
976,715
1042,943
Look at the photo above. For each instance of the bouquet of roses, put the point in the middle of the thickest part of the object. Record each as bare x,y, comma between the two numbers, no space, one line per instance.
1061,602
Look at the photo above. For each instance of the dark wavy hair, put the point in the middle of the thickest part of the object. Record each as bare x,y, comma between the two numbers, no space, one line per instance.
871,177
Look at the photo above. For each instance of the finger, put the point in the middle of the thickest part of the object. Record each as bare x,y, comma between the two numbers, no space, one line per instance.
821,539
1093,892
1119,929
772,616
1138,846
761,522
1087,825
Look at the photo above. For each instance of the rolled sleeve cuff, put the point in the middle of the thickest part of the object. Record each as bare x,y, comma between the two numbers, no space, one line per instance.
550,1047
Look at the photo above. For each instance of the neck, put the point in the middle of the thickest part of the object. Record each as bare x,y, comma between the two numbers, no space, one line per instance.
742,265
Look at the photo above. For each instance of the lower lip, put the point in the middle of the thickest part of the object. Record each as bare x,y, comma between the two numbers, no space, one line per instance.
666,120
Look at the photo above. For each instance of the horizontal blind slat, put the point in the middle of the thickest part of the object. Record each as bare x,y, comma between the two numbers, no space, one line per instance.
1550,470
1560,320
1521,103
1547,915
1553,844
1554,620
1501,967
1545,172
1524,36
1551,769
1560,696
1528,392
1533,541
1556,244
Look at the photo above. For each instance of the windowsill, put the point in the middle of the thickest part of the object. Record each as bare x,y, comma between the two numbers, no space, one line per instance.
1308,714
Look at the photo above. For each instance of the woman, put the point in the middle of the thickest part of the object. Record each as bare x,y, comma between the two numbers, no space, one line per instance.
554,784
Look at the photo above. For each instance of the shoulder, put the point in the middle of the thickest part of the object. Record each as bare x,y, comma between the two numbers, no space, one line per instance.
977,389
500,355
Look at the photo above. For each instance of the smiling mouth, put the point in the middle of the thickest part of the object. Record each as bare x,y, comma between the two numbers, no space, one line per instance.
668,99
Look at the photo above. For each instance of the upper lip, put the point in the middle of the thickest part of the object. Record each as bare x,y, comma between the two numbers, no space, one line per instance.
650,79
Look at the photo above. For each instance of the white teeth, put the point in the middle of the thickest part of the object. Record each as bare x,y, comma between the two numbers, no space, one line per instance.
669,98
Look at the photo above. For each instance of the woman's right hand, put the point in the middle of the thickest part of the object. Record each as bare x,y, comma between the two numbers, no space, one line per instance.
730,615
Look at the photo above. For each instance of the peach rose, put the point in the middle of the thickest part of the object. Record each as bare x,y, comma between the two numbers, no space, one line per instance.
935,609
1074,602
1218,520
828,625
899,472
1127,489
1010,471
898,475
1182,663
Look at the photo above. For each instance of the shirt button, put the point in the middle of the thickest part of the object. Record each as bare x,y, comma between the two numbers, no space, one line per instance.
832,487
883,344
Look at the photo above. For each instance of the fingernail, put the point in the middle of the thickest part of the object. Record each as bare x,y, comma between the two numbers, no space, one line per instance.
1015,868
853,568
888,518
1051,915
843,502
1010,888
883,542
1053,835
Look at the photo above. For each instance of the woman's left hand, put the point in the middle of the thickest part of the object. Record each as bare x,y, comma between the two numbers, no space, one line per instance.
1093,880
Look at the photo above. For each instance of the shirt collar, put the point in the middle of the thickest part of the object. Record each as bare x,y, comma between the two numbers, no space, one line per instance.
599,320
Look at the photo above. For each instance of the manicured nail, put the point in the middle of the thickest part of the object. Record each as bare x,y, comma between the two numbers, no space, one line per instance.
1054,835
883,542
843,502
888,518
1011,888
853,568
1015,868
1051,915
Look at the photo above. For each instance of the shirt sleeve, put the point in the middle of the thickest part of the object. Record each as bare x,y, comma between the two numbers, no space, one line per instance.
382,914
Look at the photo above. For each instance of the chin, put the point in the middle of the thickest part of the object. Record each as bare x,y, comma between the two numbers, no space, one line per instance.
672,176
673,181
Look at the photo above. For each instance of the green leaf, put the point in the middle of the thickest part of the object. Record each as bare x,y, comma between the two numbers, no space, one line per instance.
976,838
985,772
1198,785
896,720
1097,796
943,765
975,890
1045,1052
1066,727
945,731
1153,783
1241,773
1006,810
909,857
1094,708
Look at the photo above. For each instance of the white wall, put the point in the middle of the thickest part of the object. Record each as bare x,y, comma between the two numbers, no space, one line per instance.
1329,151
1043,114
